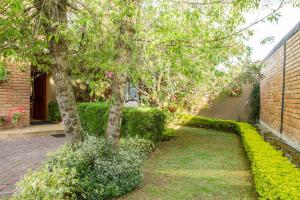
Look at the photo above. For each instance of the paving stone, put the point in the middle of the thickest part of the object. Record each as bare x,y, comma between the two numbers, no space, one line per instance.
19,155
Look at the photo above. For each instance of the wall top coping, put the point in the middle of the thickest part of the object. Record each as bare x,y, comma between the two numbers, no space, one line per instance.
283,40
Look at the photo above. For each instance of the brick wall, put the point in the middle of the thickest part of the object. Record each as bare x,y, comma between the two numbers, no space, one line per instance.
272,90
15,92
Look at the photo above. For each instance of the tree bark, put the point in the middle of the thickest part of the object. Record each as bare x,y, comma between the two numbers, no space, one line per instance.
123,59
56,14
113,130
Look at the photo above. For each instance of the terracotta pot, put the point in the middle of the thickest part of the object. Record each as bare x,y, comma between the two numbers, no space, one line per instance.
19,124
172,108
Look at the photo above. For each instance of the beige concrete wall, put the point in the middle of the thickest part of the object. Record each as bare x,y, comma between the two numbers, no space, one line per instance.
50,91
234,108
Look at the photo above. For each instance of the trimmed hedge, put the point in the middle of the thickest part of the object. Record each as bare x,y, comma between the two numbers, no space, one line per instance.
275,176
147,123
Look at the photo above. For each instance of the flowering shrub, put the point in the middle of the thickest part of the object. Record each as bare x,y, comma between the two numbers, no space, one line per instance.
109,74
16,114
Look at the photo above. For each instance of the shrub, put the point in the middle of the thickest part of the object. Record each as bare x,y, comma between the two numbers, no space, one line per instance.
147,123
275,176
3,72
169,133
254,102
53,112
91,170
93,117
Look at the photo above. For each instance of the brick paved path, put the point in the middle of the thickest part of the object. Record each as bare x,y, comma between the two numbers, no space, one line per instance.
20,154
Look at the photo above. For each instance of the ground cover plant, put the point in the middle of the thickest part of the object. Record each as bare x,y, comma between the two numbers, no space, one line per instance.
274,175
94,170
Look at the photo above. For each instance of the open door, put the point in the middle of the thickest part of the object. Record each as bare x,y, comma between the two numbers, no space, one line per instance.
38,97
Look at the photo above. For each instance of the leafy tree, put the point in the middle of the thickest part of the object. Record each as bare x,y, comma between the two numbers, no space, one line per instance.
171,49
46,34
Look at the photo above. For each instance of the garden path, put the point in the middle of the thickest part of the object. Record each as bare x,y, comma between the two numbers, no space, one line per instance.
17,155
197,164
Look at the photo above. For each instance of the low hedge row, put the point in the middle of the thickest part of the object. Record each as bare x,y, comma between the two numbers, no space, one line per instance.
275,176
147,123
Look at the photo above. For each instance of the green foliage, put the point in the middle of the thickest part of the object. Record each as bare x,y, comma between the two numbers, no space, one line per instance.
203,122
2,119
91,170
16,117
274,175
59,183
254,102
3,72
169,133
137,145
147,123
53,112
93,117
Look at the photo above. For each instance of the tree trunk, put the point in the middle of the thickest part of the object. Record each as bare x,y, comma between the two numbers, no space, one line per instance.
123,60
56,14
113,130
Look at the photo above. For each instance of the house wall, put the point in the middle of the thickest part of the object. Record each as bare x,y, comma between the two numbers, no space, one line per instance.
280,89
50,91
15,92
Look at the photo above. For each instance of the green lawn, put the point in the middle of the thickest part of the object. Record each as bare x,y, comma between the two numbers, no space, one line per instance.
197,164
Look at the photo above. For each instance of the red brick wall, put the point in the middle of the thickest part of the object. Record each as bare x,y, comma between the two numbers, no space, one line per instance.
271,91
15,92
291,118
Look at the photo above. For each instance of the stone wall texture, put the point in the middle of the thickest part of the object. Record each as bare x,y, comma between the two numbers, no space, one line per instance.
280,94
15,92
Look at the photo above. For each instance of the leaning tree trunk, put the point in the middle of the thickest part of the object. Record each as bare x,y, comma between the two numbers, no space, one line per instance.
113,130
56,14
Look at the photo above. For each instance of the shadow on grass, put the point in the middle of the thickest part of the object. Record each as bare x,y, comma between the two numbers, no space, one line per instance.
197,164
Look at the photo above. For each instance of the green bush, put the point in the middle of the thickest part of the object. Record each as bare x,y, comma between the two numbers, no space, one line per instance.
93,117
53,112
92,170
169,133
254,102
275,176
148,123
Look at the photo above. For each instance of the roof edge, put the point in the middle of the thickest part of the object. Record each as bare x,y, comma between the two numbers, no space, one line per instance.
283,40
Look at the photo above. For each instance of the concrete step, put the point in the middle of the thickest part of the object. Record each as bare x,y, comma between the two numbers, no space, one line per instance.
32,131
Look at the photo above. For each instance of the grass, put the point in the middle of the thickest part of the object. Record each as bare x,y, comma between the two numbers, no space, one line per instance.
197,164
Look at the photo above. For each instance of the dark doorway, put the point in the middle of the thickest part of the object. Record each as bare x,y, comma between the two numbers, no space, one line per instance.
38,97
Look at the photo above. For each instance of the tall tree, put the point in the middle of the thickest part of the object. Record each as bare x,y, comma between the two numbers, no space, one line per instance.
51,31
55,13
125,22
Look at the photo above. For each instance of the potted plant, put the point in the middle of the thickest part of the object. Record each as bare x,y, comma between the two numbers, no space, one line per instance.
17,117
172,107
